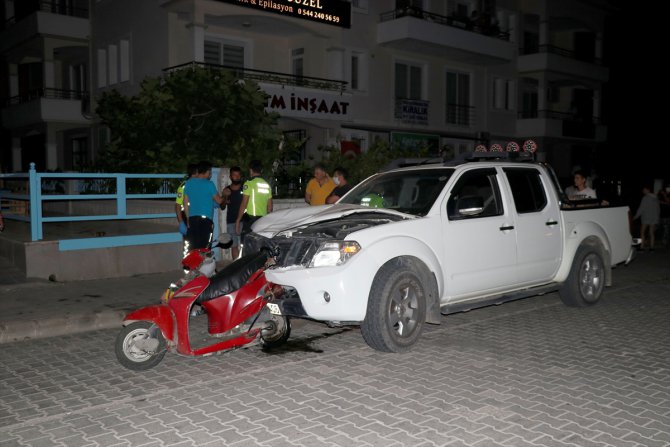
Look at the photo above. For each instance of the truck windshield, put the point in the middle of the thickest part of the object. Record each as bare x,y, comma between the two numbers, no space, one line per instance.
409,191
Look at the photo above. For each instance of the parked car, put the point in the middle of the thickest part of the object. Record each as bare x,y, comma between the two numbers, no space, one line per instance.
409,244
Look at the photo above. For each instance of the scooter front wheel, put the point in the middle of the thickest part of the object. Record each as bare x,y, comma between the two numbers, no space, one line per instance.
140,346
276,331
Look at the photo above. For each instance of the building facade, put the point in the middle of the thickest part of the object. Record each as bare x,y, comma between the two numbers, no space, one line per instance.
447,75
44,84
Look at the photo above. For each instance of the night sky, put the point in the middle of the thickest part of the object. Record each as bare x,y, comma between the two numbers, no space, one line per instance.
634,98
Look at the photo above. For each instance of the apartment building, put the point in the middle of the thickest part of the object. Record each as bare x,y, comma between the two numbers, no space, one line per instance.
44,84
448,75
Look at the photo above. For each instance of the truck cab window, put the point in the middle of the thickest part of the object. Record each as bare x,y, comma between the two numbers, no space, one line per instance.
527,189
476,194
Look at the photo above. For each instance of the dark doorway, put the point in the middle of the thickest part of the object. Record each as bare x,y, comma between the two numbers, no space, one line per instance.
33,150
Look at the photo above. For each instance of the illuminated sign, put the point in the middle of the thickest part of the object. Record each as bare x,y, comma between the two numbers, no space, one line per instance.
331,12
307,103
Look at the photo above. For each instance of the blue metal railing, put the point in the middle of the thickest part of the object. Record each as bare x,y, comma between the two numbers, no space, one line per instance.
41,189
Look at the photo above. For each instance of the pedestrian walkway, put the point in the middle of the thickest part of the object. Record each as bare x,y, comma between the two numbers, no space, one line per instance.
38,308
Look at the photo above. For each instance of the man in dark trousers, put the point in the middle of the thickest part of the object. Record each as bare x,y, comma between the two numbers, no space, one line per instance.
256,200
232,196
200,198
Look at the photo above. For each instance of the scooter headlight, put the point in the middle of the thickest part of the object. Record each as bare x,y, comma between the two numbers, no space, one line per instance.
334,253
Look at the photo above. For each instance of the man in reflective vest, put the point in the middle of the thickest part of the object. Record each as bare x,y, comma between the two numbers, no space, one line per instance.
256,200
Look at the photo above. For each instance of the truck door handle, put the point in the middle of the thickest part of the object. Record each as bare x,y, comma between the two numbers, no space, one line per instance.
507,228
551,223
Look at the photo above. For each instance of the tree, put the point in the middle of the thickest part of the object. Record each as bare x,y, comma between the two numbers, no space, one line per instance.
185,116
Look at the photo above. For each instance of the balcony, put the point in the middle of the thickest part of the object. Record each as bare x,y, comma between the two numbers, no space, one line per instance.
415,30
550,123
47,18
461,115
43,105
270,77
559,60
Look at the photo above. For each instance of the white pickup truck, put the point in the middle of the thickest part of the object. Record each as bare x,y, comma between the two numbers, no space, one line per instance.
409,244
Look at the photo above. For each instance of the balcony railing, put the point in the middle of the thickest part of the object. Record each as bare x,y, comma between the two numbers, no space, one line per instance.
55,7
561,52
460,115
555,115
269,76
48,93
487,28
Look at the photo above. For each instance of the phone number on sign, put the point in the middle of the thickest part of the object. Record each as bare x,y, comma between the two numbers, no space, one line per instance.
319,15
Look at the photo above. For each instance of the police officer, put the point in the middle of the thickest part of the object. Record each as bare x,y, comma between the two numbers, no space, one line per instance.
191,170
256,200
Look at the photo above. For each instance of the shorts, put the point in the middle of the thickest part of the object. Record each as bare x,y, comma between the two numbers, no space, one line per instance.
230,229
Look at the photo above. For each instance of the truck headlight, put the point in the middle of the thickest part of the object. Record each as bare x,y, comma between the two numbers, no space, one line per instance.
334,253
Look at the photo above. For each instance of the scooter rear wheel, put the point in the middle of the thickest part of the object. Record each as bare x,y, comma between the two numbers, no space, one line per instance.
140,346
277,331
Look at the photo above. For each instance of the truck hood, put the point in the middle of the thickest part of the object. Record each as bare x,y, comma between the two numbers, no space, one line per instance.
286,219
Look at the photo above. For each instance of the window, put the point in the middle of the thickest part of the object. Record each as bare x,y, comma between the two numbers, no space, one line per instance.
527,189
102,68
78,77
124,61
503,94
297,62
228,53
354,71
408,82
458,109
476,194
113,53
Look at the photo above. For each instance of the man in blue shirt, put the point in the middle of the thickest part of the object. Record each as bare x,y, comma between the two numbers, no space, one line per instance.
200,198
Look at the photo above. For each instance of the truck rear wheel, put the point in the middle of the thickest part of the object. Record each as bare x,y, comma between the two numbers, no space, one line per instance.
396,309
586,280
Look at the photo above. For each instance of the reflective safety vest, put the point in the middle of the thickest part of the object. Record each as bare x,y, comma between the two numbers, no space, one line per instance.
259,193
180,195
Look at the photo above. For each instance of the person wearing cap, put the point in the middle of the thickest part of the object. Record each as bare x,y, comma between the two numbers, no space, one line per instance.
256,200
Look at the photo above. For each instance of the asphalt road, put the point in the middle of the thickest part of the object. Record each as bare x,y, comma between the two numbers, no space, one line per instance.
527,373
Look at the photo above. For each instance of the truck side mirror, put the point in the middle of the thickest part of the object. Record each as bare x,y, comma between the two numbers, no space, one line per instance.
470,205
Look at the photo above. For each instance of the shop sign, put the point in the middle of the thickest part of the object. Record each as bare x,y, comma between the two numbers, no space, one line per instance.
412,111
307,104
415,141
330,12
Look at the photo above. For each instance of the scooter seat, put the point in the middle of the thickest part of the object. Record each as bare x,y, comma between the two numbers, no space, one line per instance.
233,276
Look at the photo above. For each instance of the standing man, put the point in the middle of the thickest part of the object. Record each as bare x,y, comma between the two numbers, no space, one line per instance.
200,197
319,187
343,186
191,170
256,200
232,195
649,213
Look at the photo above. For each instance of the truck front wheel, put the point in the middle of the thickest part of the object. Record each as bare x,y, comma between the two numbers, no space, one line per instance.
396,309
586,280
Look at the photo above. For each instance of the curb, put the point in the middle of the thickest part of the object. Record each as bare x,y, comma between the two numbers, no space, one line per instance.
12,331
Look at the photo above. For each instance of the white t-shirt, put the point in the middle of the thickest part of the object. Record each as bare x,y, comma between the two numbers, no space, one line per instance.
586,193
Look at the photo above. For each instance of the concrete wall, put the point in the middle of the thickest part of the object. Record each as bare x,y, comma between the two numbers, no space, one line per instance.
43,259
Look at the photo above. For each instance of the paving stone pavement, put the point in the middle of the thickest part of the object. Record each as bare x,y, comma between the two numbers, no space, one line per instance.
527,373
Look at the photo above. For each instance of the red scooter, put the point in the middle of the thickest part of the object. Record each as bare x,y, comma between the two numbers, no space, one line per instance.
201,315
